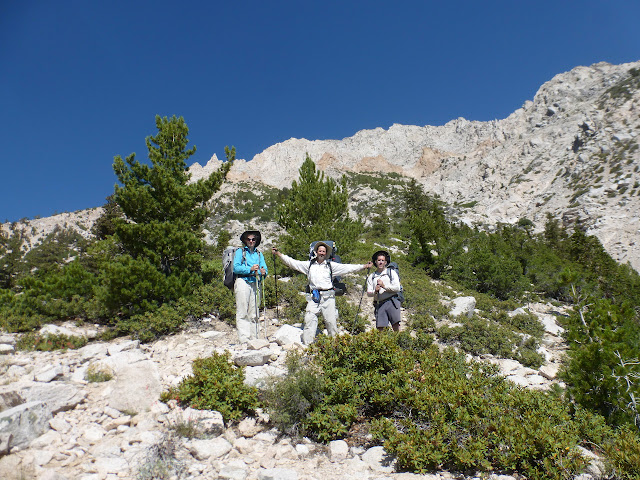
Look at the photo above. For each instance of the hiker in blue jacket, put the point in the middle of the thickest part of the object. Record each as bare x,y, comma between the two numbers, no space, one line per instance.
248,263
383,285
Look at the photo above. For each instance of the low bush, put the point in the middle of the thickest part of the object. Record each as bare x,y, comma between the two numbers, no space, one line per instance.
97,374
479,336
152,324
433,410
215,385
623,454
291,400
49,342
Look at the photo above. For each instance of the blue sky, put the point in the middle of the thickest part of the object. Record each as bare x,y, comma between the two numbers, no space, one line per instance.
82,81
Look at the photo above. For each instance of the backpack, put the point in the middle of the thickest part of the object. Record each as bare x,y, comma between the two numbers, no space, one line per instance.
394,266
228,277
338,287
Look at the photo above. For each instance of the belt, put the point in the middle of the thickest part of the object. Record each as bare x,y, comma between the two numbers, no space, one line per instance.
378,303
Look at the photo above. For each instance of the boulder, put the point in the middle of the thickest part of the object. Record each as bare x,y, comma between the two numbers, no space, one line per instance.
137,387
58,396
463,306
24,423
210,449
208,422
378,460
338,450
253,358
288,334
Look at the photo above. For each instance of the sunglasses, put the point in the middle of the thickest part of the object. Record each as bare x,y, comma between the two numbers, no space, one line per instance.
251,239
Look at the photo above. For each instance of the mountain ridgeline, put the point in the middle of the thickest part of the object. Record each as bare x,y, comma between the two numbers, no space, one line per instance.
572,152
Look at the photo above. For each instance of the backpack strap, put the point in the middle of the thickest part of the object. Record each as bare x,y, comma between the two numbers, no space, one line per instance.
330,269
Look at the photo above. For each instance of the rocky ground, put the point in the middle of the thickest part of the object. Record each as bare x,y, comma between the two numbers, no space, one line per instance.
55,425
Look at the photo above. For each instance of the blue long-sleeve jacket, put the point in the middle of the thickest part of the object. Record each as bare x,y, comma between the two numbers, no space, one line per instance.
242,268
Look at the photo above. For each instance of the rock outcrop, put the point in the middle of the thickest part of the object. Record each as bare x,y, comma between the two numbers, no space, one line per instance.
571,152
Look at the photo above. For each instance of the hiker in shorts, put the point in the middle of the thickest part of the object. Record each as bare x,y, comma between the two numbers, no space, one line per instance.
246,264
383,285
322,298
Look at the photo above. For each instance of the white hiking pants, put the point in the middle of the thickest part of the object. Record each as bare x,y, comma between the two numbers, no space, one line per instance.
246,311
327,307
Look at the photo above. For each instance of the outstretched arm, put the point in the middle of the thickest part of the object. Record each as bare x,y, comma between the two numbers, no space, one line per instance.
344,268
297,265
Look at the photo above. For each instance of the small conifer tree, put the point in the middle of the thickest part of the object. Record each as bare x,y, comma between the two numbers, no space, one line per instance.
160,235
317,209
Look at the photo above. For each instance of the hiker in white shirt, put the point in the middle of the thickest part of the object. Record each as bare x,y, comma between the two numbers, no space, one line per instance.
319,273
383,285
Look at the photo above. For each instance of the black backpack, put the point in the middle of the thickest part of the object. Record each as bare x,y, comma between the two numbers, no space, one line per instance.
338,287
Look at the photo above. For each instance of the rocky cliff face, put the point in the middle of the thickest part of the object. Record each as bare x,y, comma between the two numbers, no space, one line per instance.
572,152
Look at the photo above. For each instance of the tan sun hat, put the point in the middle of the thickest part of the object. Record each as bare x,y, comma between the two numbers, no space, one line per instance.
318,244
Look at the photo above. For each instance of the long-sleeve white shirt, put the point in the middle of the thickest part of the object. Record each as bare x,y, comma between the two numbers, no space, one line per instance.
390,284
319,274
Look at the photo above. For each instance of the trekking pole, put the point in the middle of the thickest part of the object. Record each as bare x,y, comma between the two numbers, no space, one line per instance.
364,286
275,281
257,301
264,306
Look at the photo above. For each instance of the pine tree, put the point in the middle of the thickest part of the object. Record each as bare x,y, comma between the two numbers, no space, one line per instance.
161,229
316,209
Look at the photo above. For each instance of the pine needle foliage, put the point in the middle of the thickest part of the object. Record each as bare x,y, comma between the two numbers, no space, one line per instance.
317,208
164,212
160,235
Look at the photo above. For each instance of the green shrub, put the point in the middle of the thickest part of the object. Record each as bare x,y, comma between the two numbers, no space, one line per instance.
623,453
433,410
212,298
292,399
49,342
461,416
602,368
479,336
337,380
96,374
16,321
216,385
152,324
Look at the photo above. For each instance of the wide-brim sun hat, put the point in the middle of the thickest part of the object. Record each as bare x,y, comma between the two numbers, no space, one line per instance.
255,233
375,256
319,244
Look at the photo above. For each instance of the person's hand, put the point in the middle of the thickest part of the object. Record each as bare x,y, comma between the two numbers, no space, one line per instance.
368,265
275,251
263,271
254,268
